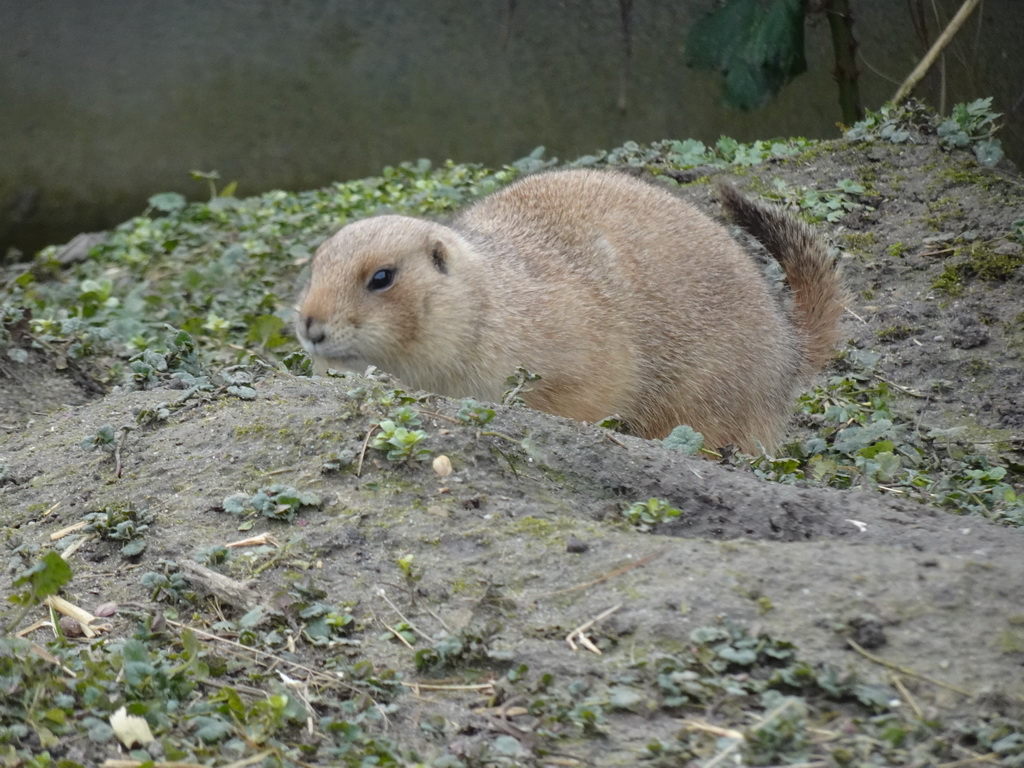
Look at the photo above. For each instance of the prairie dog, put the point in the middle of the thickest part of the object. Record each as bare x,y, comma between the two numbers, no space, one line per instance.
625,298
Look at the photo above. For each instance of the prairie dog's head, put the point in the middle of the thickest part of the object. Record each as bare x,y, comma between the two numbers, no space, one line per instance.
379,291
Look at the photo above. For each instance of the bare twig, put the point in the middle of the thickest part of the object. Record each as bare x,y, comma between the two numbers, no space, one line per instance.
383,596
903,670
901,388
82,616
611,438
907,697
117,449
398,635
768,717
277,660
113,763
991,758
610,575
224,588
283,470
714,730
579,635
68,530
492,433
929,58
362,451
485,687
437,415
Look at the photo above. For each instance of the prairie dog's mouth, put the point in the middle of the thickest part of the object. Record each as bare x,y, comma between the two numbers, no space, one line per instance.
351,363
323,350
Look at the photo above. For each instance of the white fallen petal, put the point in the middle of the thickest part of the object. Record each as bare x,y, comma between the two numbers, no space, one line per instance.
130,729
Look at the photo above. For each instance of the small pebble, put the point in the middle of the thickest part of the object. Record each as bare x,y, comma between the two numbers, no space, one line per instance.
443,466
576,546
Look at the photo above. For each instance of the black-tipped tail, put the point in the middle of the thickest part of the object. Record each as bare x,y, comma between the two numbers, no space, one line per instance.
812,275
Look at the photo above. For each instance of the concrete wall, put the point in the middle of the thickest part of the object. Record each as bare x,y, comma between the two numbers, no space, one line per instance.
105,102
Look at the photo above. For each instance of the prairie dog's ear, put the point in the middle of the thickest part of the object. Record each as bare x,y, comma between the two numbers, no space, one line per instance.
439,255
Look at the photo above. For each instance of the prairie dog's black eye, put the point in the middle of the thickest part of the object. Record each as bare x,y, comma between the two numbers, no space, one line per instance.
381,280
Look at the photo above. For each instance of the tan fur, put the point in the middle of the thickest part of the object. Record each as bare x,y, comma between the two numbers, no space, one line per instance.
626,300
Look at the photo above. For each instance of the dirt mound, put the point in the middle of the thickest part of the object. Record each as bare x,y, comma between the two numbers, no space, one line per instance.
524,542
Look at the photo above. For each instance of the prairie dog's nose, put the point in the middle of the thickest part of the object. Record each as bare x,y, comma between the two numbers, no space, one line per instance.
312,329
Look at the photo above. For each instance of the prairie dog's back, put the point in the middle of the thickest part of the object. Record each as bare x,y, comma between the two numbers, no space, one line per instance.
647,270
621,236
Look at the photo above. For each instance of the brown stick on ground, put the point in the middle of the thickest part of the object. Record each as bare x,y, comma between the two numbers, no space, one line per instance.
226,589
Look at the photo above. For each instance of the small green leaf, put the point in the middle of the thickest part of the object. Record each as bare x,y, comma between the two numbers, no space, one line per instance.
46,577
237,504
684,439
622,697
242,393
742,656
133,548
98,730
989,152
167,202
211,729
508,746
266,330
